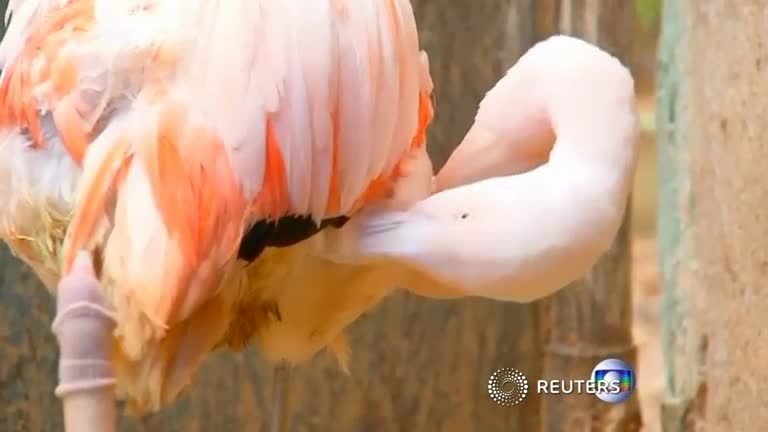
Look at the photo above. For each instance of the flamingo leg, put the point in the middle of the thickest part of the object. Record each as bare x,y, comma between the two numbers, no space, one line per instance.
83,326
281,380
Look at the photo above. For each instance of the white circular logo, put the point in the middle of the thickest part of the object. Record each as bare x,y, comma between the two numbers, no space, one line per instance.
508,387
614,379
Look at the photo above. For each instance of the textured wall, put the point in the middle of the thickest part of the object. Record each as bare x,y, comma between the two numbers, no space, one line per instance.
729,108
716,263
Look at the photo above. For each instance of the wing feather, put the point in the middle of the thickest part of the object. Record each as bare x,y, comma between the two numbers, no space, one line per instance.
353,101
341,80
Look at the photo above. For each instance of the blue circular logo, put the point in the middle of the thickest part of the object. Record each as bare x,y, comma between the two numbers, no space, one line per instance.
614,381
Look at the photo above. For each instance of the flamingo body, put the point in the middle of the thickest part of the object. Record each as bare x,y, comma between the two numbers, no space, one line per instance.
269,183
158,149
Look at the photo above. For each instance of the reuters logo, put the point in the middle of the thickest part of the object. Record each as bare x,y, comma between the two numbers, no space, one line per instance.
612,381
508,387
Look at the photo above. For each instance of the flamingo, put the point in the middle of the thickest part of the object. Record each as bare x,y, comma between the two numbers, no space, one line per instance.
268,182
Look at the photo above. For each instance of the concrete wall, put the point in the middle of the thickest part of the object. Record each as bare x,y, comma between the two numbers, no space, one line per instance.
713,227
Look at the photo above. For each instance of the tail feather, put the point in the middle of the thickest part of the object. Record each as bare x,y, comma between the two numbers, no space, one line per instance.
167,367
340,348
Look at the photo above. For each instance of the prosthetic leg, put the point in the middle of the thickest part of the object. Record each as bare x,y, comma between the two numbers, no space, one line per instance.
83,327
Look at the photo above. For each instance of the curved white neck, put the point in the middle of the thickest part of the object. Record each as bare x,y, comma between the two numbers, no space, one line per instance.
521,236
565,103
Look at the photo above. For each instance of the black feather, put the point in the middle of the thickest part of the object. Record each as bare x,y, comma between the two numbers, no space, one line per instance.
284,232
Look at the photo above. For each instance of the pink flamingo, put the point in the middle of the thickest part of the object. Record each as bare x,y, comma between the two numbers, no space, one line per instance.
268,182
